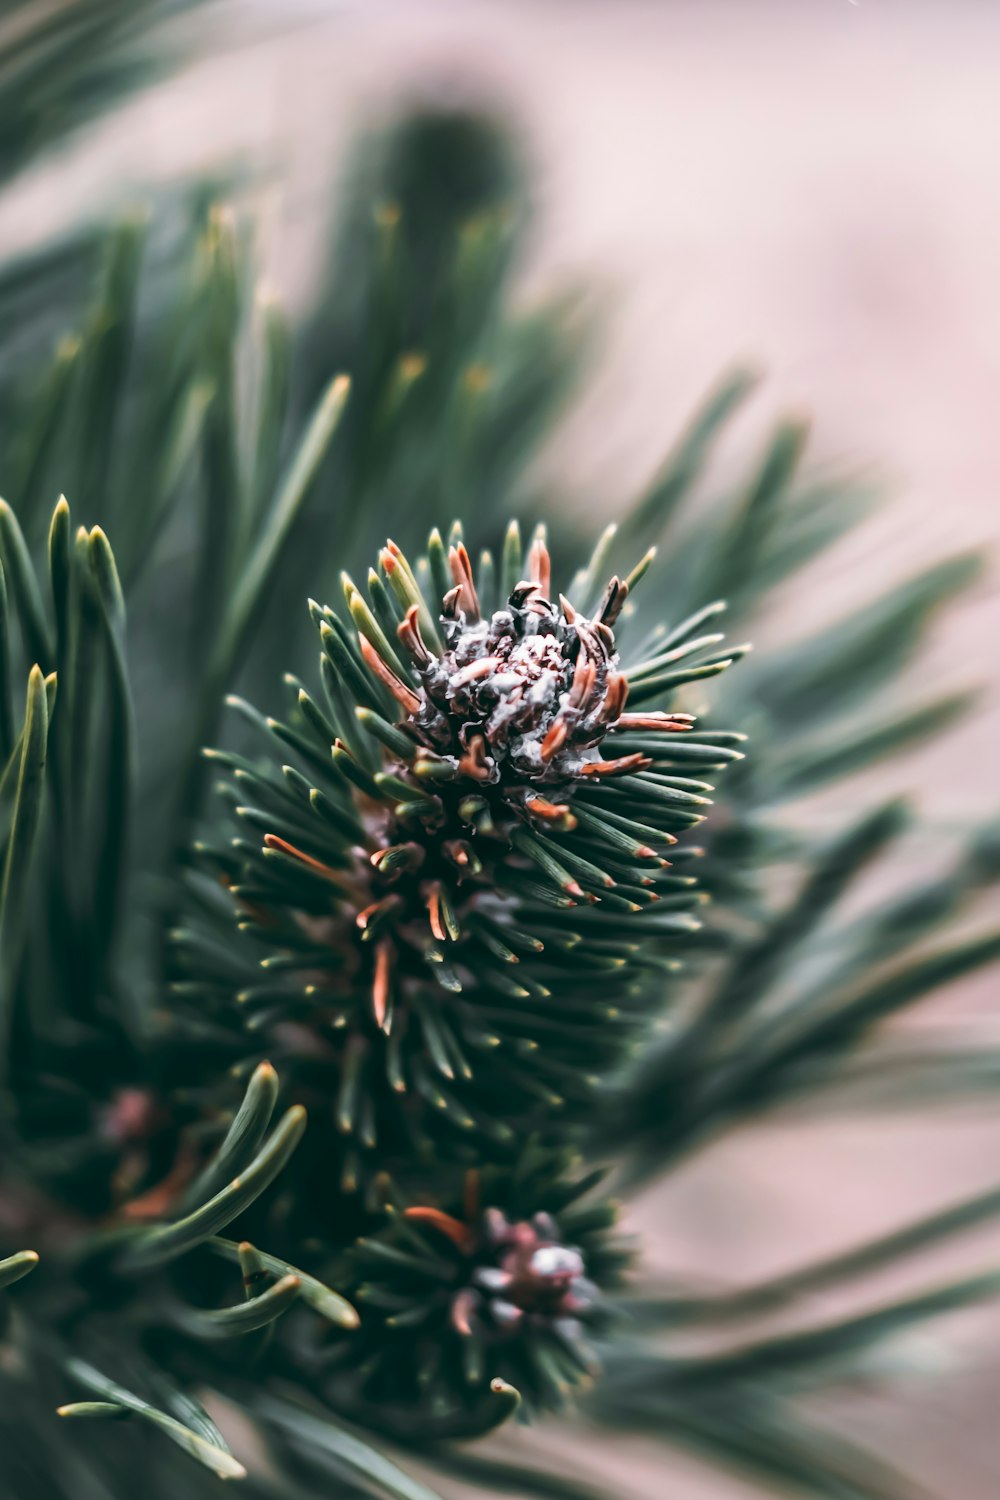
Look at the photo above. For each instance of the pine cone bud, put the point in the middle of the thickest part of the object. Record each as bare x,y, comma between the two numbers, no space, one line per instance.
460,897
510,1291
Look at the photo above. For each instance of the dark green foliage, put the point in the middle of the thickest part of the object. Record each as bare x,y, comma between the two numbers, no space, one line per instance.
143,1131
116,1402
455,388
463,888
64,63
792,1001
788,1013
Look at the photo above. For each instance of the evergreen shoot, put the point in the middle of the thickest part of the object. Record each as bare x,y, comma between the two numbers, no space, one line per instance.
335,1036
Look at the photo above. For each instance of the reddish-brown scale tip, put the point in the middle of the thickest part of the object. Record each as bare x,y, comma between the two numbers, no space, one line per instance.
434,912
474,762
282,846
449,603
404,696
540,566
460,1234
461,1309
460,566
554,739
620,767
380,985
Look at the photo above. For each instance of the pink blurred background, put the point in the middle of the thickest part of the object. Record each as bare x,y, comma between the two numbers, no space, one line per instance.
812,184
